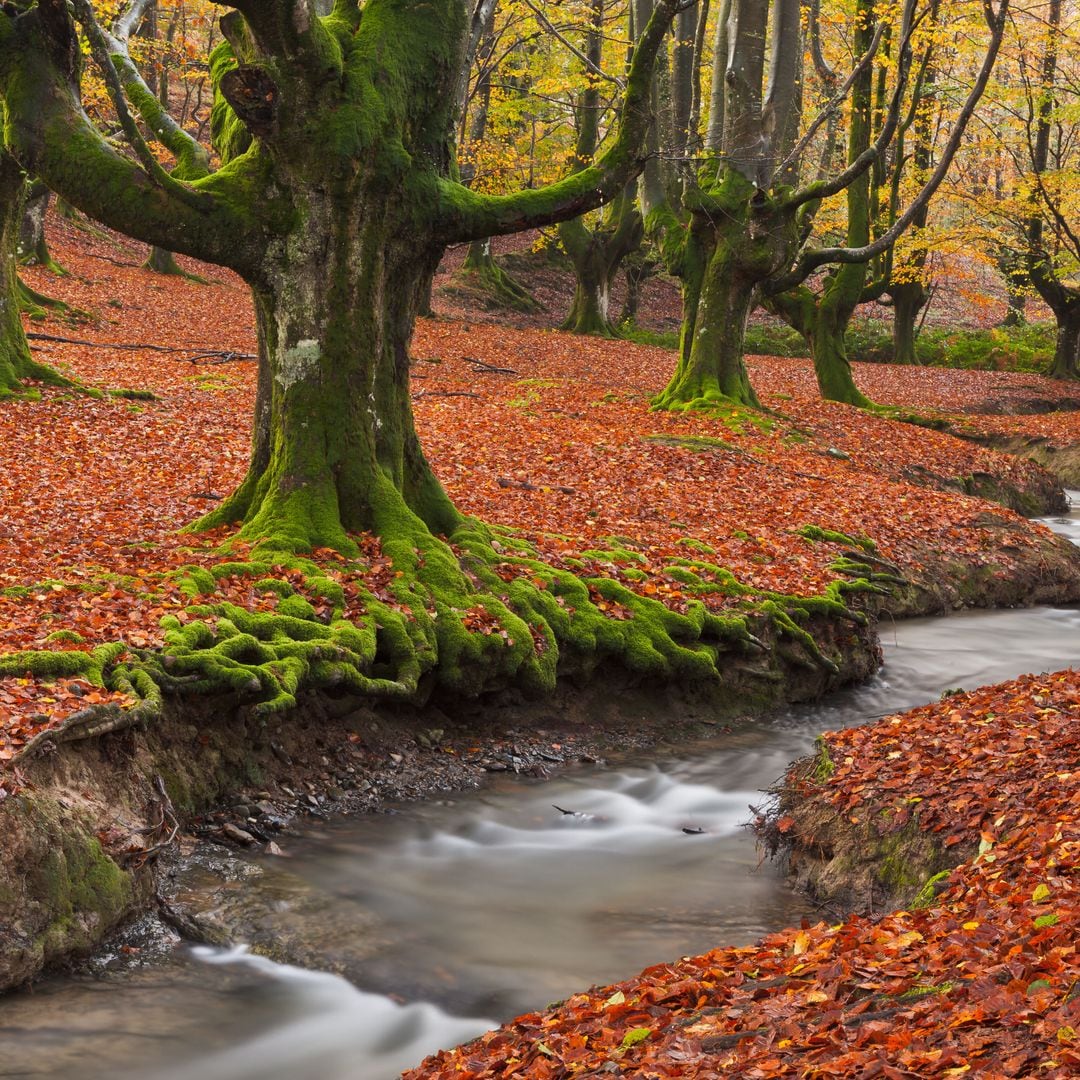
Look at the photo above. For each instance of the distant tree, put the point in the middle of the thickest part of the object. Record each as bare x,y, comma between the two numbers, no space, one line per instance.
746,227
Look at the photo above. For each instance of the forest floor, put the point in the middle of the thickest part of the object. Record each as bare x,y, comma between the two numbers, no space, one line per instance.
552,435
544,432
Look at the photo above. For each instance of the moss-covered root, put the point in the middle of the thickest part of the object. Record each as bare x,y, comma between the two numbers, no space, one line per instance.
101,667
39,306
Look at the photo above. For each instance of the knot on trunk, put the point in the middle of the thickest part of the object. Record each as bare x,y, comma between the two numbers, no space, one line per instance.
253,96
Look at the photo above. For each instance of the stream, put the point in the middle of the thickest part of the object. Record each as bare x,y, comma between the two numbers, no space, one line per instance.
491,903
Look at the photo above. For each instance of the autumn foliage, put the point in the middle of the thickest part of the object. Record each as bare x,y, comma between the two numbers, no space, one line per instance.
982,979
545,433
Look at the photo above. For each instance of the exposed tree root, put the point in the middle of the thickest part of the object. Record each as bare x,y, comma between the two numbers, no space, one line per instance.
463,617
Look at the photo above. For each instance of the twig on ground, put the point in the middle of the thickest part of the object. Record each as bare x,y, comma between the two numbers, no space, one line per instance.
524,485
484,366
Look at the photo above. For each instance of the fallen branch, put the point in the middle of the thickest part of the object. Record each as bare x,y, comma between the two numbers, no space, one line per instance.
444,393
524,485
216,356
221,357
484,366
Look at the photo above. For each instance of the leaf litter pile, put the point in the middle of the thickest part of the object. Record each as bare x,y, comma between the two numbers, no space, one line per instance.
981,979
546,433
551,435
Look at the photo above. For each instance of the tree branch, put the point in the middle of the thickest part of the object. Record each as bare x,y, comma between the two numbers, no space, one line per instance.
192,159
825,188
810,260
50,136
590,66
833,106
99,49
464,215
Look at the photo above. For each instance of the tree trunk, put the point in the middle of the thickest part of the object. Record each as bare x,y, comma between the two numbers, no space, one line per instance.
589,311
739,234
33,248
15,361
718,295
335,449
1014,273
1066,363
597,255
829,349
163,261
636,271
909,298
500,288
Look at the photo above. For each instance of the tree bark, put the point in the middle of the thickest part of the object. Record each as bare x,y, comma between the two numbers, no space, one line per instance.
336,449
33,245
15,360
909,298
1066,363
597,251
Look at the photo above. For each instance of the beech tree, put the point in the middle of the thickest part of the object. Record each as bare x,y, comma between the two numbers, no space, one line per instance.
746,227
1052,243
336,214
597,249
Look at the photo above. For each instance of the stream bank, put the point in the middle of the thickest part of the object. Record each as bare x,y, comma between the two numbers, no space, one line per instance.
83,829
82,832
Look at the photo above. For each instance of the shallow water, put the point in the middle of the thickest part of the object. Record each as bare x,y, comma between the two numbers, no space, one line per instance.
496,902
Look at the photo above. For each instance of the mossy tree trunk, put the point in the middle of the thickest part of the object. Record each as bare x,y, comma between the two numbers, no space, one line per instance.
33,245
730,248
597,251
1048,247
336,449
1066,362
909,298
336,213
597,254
503,289
16,363
823,318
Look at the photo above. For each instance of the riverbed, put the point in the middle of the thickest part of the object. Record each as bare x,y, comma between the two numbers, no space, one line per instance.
487,904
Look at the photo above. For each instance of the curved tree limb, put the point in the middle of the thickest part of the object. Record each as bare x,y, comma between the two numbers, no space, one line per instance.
99,49
823,189
192,158
832,107
811,259
47,131
464,215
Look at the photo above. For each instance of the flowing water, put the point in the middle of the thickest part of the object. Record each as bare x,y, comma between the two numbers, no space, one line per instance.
497,902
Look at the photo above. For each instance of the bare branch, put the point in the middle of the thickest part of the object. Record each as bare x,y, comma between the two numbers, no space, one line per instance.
592,68
812,259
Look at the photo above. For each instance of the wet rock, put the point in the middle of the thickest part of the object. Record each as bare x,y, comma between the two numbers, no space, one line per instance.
236,834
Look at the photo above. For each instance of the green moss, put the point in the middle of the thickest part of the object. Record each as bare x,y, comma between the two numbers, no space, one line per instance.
699,443
82,889
824,766
134,395
922,990
66,636
816,533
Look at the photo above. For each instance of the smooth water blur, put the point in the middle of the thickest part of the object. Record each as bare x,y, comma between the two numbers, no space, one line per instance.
498,902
